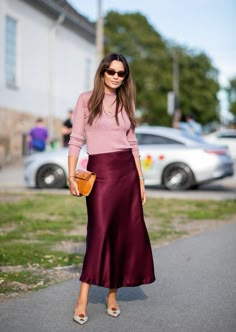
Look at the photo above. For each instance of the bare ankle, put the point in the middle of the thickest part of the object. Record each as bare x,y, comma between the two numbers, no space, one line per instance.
80,309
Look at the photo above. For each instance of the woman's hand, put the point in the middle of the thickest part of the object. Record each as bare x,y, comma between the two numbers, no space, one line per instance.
141,179
73,187
143,192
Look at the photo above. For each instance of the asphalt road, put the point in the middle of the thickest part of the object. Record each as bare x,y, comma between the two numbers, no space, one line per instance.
11,179
195,291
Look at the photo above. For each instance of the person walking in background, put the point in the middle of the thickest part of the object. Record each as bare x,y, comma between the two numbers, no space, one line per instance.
191,126
118,251
67,128
38,137
194,126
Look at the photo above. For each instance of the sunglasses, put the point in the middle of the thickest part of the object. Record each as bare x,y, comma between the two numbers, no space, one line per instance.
112,72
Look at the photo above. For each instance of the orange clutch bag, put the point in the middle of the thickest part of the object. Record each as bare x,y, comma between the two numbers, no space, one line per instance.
85,181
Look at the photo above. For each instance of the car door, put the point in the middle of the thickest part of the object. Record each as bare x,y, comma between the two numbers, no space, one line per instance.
156,151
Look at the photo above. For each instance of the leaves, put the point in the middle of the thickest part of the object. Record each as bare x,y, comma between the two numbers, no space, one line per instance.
151,61
231,91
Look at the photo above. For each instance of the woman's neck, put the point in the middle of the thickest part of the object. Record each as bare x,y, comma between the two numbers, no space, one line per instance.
109,91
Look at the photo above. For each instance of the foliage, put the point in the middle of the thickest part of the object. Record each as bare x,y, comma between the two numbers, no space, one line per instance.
231,91
198,86
151,62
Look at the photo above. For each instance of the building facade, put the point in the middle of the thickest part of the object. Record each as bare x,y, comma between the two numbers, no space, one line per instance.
48,58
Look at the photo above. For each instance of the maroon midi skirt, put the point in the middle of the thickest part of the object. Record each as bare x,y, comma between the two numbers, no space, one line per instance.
118,250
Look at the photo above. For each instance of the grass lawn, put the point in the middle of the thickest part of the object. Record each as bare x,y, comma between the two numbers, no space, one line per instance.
42,234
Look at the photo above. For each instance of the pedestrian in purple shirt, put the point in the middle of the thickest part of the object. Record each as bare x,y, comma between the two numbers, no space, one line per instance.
38,136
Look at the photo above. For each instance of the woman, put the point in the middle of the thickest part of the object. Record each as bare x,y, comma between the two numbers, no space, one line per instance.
118,251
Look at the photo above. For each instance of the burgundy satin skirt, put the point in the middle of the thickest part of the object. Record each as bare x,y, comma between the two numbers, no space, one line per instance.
118,251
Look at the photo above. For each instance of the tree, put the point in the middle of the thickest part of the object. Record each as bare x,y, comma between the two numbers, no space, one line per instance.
198,86
150,59
231,91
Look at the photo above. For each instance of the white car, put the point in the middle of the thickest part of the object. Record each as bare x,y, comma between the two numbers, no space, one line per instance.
179,161
226,137
49,169
169,157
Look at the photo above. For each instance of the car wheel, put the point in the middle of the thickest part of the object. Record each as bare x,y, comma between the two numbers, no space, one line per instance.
178,176
195,186
51,176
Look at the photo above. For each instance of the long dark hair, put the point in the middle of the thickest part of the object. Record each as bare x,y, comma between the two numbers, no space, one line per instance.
125,94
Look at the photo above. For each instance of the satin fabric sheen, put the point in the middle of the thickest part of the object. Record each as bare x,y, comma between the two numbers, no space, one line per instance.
118,251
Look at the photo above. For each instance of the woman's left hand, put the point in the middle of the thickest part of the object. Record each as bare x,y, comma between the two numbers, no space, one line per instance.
143,192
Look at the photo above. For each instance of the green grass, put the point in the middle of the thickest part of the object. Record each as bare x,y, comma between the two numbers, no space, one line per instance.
167,234
35,254
13,281
33,227
188,210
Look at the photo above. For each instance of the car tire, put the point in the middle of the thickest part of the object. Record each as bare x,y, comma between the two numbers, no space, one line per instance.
178,176
195,186
51,176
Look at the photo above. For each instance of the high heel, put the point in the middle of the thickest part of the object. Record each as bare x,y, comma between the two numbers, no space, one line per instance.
81,319
113,311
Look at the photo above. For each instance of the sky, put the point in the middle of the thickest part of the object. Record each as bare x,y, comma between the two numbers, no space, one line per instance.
201,25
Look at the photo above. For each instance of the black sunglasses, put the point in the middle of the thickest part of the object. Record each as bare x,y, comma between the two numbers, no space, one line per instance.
112,72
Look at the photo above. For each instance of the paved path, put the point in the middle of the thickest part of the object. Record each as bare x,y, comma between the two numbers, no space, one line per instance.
195,291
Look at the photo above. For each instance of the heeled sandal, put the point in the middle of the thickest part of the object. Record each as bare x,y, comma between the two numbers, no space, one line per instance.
81,319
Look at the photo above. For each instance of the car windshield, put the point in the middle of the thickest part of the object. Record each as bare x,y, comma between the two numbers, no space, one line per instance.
194,138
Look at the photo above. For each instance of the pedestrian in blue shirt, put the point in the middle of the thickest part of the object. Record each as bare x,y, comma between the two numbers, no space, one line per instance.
191,126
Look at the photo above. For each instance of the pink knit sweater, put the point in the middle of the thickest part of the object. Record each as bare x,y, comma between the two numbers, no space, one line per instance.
104,135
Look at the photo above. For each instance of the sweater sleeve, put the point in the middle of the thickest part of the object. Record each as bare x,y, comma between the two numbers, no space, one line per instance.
77,136
132,139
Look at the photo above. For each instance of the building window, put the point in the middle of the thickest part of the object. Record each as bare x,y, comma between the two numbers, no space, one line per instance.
10,52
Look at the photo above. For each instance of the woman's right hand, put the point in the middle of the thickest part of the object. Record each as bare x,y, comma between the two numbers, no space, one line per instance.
74,187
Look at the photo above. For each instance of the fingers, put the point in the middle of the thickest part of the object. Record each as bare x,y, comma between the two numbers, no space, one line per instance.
144,198
74,189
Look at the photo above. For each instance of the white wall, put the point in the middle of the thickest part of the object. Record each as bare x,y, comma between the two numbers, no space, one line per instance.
2,10
52,70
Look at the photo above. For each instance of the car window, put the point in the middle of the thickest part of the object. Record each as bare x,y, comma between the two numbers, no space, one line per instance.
227,136
145,139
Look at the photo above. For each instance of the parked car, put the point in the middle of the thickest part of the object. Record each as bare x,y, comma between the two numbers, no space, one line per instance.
49,169
226,137
169,157
178,160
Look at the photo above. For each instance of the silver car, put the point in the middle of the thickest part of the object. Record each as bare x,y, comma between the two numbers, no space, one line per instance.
179,161
225,137
169,158
49,169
